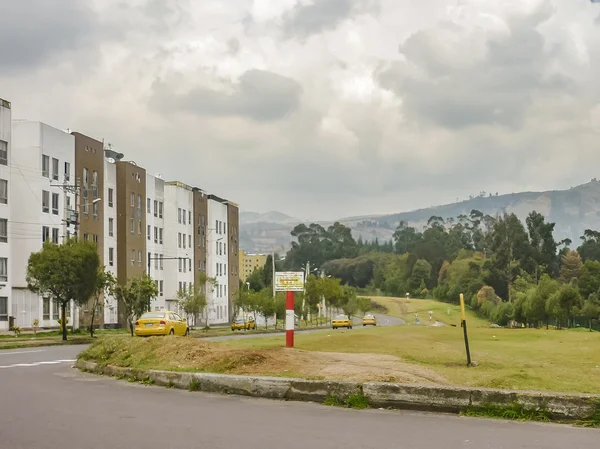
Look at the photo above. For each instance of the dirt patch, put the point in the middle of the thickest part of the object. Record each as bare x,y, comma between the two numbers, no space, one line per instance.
185,354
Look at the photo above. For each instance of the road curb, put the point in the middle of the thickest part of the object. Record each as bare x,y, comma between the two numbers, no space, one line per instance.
432,398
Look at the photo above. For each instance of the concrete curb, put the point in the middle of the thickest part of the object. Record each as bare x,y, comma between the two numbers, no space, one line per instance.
433,398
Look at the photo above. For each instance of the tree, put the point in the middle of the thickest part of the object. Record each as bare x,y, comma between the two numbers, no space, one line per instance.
105,283
364,305
591,309
421,272
267,272
589,280
571,266
136,297
265,305
349,301
63,273
193,301
256,280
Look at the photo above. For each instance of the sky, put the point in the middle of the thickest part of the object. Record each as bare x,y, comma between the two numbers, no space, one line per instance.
320,108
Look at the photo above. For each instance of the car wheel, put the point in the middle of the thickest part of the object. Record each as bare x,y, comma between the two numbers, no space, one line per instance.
187,332
172,332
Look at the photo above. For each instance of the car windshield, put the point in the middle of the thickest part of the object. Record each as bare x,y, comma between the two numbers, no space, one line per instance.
154,315
369,317
342,317
239,320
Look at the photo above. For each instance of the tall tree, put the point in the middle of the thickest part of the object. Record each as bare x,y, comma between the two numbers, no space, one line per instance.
589,279
542,242
571,266
406,238
421,273
105,283
63,273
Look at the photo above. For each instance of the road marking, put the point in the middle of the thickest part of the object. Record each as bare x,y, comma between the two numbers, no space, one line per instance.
50,362
21,352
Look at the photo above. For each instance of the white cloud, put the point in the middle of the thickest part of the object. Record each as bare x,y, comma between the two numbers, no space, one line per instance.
321,108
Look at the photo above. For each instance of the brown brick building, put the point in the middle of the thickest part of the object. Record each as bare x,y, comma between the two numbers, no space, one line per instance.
233,223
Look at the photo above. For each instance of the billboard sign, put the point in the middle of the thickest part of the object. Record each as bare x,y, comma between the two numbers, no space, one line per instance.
289,281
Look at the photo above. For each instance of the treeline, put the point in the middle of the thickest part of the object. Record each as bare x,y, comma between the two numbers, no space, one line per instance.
505,268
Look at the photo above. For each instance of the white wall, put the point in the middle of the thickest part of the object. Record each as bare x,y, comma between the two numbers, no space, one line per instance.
110,241
155,191
30,141
217,262
176,198
5,247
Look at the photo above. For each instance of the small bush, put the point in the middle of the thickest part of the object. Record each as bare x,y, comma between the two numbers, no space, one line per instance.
194,384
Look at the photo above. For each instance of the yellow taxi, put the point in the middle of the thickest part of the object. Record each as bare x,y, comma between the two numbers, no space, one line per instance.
341,321
161,322
242,323
369,320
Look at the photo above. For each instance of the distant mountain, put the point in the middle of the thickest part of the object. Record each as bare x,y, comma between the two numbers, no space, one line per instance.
263,233
573,211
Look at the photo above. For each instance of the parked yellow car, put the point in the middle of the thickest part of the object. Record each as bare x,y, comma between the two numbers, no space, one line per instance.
162,322
369,320
341,321
242,323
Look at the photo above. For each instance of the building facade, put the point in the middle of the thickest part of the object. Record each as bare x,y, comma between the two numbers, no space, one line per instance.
43,162
233,237
131,225
5,216
249,262
89,178
155,236
217,261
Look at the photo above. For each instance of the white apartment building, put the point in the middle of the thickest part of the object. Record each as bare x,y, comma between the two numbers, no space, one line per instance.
5,221
217,260
155,244
110,231
42,159
178,241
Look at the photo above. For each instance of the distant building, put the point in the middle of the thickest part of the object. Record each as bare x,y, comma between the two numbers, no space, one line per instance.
5,222
250,262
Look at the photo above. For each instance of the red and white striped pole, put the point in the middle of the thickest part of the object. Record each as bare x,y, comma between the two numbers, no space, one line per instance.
289,319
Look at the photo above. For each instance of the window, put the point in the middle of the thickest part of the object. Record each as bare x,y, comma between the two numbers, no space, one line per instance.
148,202
133,257
45,201
155,208
180,269
156,261
45,233
179,239
132,199
111,227
190,264
3,152
179,215
45,166
190,217
189,240
55,169
55,235
111,257
55,203
184,289
95,210
184,239
160,210
184,266
86,205
217,226
149,257
225,269
86,237
95,184
155,234
3,230
132,223
139,206
55,311
3,308
224,248
3,269
225,290
183,216
149,232
140,258
160,236
161,262
160,288
140,227
180,285
67,171
110,197
46,309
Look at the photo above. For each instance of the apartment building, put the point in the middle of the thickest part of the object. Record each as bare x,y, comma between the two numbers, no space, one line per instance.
233,222
5,217
155,236
89,178
218,261
179,246
42,163
109,206
248,262
131,225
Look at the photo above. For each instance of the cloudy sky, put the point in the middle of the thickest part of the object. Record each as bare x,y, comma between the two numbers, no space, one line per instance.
320,108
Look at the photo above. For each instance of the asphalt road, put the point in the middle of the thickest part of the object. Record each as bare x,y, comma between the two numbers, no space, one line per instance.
382,320
51,406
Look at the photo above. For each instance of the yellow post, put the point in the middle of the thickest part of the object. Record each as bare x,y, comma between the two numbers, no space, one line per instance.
463,324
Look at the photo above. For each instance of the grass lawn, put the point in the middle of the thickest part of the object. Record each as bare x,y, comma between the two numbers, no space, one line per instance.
523,359
446,313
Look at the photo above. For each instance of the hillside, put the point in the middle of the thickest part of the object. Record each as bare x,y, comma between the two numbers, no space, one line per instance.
573,211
